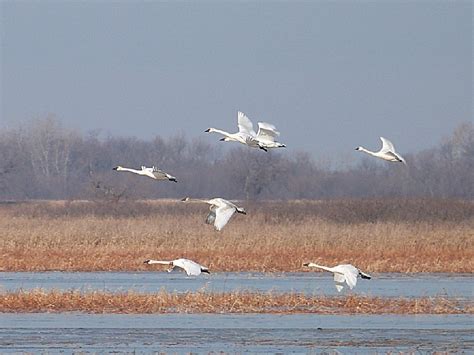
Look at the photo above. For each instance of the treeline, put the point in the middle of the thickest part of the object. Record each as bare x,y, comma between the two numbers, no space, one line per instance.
44,160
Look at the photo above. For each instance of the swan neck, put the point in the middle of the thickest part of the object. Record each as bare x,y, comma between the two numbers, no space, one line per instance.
367,151
128,169
188,199
320,267
219,131
160,262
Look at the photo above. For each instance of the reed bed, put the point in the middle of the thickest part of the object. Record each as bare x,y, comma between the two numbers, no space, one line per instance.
376,235
235,302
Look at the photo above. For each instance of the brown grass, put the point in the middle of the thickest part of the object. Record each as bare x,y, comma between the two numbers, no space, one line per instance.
375,235
236,302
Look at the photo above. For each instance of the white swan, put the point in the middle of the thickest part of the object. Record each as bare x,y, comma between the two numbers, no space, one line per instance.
263,139
343,273
192,268
266,136
152,172
220,211
386,153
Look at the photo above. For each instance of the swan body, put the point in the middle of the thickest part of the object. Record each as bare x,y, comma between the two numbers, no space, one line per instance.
152,172
190,267
263,139
343,273
220,211
387,152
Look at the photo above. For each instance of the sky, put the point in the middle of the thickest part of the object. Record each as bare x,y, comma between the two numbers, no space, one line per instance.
331,75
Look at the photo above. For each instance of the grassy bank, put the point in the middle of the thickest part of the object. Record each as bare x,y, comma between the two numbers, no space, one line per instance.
375,235
236,302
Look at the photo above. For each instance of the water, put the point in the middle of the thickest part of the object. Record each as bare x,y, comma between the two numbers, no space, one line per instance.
385,285
267,333
303,333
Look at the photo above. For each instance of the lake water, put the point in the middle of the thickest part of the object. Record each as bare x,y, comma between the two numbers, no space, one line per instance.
386,285
261,333
204,333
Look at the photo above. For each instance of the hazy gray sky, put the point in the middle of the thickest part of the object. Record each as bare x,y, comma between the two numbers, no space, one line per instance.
329,75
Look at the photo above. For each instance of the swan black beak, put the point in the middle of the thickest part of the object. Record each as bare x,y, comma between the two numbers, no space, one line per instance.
146,261
115,168
306,264
222,139
357,148
207,130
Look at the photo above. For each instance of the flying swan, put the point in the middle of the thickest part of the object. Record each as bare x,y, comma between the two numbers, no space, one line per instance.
386,153
192,268
152,172
343,273
220,211
263,139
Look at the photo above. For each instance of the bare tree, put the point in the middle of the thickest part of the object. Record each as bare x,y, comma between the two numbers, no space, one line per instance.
45,160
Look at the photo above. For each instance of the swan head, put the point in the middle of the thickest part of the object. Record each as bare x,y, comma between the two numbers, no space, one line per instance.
359,148
185,199
118,167
306,264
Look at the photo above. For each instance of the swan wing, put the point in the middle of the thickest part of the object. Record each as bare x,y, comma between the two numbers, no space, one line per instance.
245,125
227,203
267,132
144,168
351,280
159,174
339,277
223,214
396,156
211,217
190,267
350,273
387,146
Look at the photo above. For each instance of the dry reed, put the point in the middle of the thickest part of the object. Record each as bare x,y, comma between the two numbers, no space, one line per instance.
235,302
375,235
